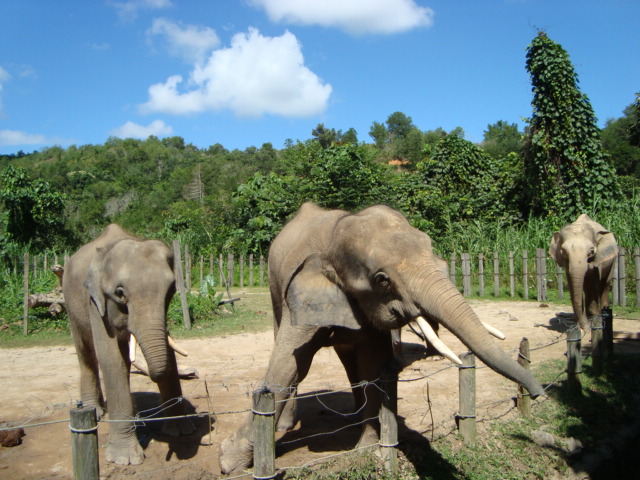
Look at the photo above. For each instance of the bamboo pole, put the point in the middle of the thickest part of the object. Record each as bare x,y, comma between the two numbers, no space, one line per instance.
388,420
525,274
574,360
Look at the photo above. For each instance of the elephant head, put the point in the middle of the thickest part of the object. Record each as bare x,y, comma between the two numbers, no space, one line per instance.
131,284
586,250
379,272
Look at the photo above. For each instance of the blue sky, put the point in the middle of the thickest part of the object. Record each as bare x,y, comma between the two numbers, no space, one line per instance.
245,72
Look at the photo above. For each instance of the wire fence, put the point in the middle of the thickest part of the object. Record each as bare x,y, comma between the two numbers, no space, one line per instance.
438,431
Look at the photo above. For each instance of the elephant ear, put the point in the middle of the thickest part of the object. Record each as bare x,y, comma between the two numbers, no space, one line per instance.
315,298
607,248
92,282
553,249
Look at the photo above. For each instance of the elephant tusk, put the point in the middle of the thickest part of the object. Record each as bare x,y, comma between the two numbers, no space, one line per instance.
175,347
438,344
493,331
133,343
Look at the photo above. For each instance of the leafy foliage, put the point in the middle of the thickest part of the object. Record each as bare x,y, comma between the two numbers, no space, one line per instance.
32,214
565,164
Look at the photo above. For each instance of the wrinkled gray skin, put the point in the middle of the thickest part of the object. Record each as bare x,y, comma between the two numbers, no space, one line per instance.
396,334
346,281
586,250
115,286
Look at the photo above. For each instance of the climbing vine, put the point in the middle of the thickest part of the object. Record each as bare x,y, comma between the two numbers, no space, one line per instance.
565,165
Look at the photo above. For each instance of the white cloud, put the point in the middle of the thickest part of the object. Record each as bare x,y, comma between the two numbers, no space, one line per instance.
256,75
134,130
353,16
16,137
191,42
128,10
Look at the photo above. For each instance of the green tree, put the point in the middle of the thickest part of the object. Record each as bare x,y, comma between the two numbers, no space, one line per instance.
501,139
399,125
33,212
379,133
565,166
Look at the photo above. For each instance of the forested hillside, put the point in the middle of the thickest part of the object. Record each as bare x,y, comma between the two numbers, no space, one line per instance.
462,194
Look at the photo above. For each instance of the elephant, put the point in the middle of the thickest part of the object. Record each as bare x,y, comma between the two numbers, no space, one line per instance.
115,287
587,251
346,280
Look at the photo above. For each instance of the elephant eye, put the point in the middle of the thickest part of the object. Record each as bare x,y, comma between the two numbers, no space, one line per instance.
382,279
120,295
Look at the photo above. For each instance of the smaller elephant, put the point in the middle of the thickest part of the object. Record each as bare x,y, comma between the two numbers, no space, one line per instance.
116,287
587,251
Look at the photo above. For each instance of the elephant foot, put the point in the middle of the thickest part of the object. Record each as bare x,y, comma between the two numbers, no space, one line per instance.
176,427
369,437
236,453
129,453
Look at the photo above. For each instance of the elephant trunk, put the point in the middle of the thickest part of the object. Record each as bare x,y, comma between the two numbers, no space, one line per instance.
151,334
443,302
575,276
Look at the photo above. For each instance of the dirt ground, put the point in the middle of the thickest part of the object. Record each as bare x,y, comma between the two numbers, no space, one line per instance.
38,385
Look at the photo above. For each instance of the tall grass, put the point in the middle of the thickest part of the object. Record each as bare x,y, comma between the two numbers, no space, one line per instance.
477,237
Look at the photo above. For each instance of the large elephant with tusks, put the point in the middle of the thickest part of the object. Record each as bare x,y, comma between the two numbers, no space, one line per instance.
346,280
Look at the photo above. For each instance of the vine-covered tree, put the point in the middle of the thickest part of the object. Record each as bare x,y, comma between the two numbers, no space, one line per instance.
565,165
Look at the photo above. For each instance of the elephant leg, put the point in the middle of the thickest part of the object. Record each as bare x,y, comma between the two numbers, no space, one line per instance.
290,362
90,390
289,415
372,358
349,358
592,293
171,396
123,447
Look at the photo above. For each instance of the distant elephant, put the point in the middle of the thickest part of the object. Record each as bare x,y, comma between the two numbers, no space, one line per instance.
586,250
114,287
346,280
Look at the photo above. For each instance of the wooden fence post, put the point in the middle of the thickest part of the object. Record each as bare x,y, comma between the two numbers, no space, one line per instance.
452,269
636,258
574,360
201,277
466,274
496,275
467,397
180,284
261,270
524,359
525,274
251,269
84,443
25,303
388,420
481,275
622,276
230,276
241,271
264,439
211,265
597,345
512,276
615,285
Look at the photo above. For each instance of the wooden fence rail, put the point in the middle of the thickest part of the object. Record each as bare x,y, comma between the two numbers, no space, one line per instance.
513,275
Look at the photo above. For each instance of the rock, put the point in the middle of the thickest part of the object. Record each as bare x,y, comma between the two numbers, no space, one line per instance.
11,438
543,439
